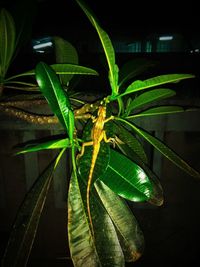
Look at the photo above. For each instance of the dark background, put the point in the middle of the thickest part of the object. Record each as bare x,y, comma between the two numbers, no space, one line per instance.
172,231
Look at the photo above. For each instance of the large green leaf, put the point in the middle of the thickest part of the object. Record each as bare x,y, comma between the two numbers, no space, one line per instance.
26,223
65,52
126,178
52,90
130,235
107,47
149,97
155,81
156,197
7,40
164,149
99,251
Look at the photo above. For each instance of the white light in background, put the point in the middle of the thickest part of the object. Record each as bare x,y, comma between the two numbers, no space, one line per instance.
43,45
166,38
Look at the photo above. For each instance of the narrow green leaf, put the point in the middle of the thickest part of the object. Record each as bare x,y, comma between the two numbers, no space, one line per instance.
52,90
128,138
102,251
7,40
72,69
130,235
155,81
163,149
61,69
26,223
162,110
149,97
107,47
52,144
126,178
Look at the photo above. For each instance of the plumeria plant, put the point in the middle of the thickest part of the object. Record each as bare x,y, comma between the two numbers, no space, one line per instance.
104,232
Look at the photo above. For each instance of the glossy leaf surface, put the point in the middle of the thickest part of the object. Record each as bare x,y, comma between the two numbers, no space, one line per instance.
155,81
126,178
130,235
149,97
52,90
102,251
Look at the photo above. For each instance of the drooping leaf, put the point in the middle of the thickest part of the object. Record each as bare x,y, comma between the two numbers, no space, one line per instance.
128,138
102,251
52,144
126,178
52,90
26,223
149,97
130,235
155,81
163,149
7,40
133,68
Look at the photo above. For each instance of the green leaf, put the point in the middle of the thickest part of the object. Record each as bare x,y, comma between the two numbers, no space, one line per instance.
72,69
130,235
102,251
26,223
107,47
65,52
7,40
156,197
155,81
126,178
164,149
161,110
149,97
128,138
52,144
133,68
52,90
61,69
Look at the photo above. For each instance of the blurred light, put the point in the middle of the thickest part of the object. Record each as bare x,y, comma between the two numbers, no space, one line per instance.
43,45
166,38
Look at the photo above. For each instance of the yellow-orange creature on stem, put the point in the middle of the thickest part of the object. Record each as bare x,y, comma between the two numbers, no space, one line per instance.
98,134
